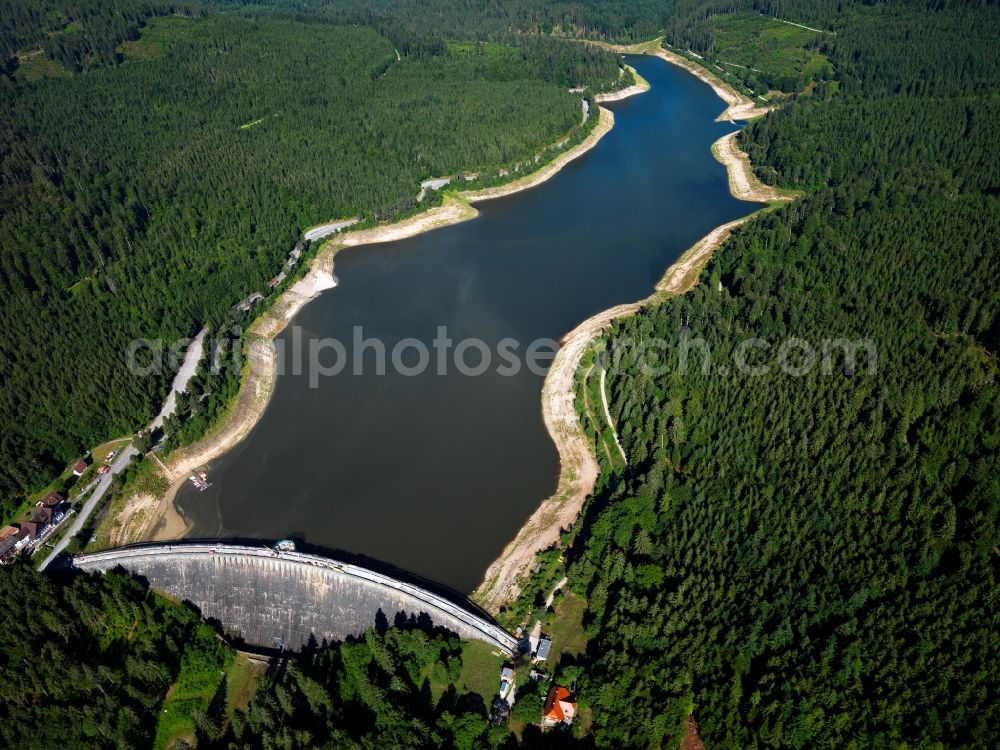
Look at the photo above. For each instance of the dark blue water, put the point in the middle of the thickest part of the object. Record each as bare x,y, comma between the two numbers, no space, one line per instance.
435,474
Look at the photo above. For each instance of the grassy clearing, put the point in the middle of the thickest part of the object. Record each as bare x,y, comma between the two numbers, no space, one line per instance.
481,666
480,673
565,627
156,36
35,66
141,49
639,48
643,48
248,125
101,451
198,683
79,287
240,678
767,46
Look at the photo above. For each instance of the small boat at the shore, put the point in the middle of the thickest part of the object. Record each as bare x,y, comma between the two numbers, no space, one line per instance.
284,545
200,480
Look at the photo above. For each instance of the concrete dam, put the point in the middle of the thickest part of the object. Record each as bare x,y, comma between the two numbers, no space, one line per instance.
272,599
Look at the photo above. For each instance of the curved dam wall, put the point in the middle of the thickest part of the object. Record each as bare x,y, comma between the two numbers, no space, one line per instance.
268,598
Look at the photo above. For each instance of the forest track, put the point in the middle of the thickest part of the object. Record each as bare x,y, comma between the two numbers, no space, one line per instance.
801,26
189,365
607,414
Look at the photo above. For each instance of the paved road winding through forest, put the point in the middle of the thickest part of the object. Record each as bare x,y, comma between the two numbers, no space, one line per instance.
184,374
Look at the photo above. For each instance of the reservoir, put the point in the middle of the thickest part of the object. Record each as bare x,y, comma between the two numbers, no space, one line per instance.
435,473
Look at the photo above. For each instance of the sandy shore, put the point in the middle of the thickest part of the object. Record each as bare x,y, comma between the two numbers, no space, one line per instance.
578,468
578,465
740,107
147,517
640,86
743,183
605,122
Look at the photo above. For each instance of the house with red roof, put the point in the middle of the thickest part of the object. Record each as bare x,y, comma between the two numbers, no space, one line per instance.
560,707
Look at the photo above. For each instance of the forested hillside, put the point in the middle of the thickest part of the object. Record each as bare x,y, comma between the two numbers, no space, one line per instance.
74,34
424,21
148,195
809,559
740,34
397,689
101,662
88,663
802,557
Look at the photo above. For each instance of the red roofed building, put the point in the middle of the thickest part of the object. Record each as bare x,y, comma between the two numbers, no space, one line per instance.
560,707
81,466
12,538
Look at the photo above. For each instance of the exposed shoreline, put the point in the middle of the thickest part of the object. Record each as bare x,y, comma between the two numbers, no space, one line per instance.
605,122
641,86
156,518
743,183
739,107
578,469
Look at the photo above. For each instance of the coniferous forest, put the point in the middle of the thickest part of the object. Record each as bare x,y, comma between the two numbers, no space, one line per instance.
147,194
802,557
809,559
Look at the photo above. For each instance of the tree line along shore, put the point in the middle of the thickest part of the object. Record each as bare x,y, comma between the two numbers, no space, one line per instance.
150,514
793,561
112,239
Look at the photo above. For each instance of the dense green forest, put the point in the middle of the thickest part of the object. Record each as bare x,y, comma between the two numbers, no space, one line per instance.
740,35
796,560
100,661
150,193
810,560
88,662
395,688
74,34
